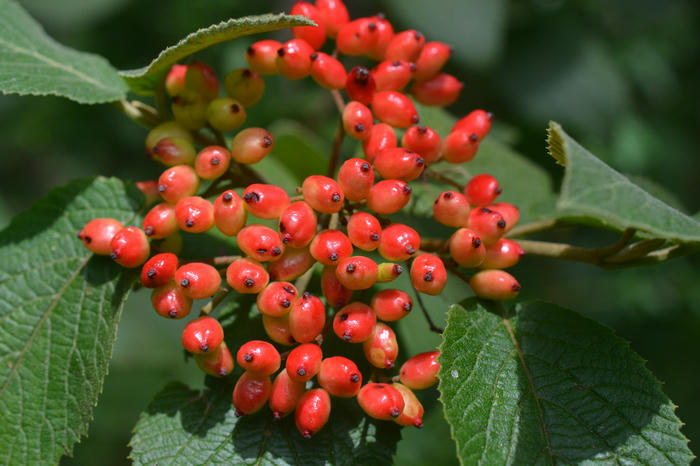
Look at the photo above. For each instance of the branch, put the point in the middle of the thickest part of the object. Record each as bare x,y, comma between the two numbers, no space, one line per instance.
440,177
216,300
532,227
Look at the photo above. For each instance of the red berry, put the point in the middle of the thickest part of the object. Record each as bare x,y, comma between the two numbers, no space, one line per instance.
381,136
406,45
307,318
451,209
130,247
395,109
244,85
477,122
357,120
440,91
323,194
393,75
334,14
277,329
201,79
460,146
265,200
169,301
194,214
412,414
97,234
198,280
175,80
304,362
167,129
260,242
225,114
357,37
335,293
466,248
327,71
297,225
423,140
173,151
219,363
391,305
420,371
314,35
313,411
399,163
355,178
229,213
251,145
364,231
360,85
383,34
340,377
247,276
428,274
160,221
285,395
294,59
388,272
488,224
502,254
482,190
381,401
354,322
212,162
259,357
292,264
388,196
381,350
159,270
202,335
177,183
399,242
357,273
251,393
262,56
510,213
330,247
495,284
432,58
149,189
277,299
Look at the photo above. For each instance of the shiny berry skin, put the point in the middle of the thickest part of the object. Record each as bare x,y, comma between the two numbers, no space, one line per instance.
194,214
285,395
334,14
251,393
167,129
277,299
357,120
169,301
381,401
304,362
336,294
201,79
198,280
297,224
292,263
354,323
440,91
466,248
482,190
293,59
488,224
251,145
381,350
159,270
175,80
262,56
177,183
260,242
423,140
391,305
307,318
420,371
393,75
218,363
323,194
360,85
432,58
502,254
330,247
388,196
460,146
149,189
340,377
265,200
477,122
383,34
428,274
399,242
229,213
190,110
395,109
510,213
364,231
277,329
247,276
314,35
388,272
173,151
225,114
130,247
412,414
357,273
399,163
356,37
313,411
202,335
259,357
97,235
406,45
244,85
381,136
355,178
212,162
451,209
497,285
327,71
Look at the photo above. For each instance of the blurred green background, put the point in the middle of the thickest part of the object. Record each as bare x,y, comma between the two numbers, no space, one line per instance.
621,76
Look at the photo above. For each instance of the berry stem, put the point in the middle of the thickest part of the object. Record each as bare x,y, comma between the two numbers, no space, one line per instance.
161,100
335,149
214,187
139,112
215,301
431,324
532,227
303,281
440,177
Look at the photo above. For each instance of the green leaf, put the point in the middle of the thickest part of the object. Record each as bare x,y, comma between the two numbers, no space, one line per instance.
185,426
591,188
543,385
144,80
59,309
33,63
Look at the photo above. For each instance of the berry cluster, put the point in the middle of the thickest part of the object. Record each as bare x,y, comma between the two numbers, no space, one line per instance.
338,222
